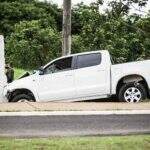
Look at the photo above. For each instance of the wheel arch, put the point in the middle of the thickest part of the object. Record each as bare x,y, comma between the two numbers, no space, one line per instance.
132,78
20,91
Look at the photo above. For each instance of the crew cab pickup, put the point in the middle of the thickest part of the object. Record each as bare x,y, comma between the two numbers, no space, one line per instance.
83,76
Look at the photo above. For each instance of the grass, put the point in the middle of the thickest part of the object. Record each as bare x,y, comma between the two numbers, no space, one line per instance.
138,142
19,72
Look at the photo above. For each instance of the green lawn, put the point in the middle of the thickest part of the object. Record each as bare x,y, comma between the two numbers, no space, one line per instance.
140,142
19,72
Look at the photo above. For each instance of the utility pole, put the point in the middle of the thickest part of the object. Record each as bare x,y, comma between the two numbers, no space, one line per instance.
66,43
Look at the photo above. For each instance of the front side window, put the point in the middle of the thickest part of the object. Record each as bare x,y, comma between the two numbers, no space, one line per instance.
59,66
88,60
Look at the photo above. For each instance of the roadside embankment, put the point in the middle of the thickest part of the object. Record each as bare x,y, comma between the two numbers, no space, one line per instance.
76,106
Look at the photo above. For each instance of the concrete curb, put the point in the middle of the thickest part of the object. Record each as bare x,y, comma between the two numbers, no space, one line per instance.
76,113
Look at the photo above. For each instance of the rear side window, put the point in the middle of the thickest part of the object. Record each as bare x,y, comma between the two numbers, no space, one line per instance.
88,60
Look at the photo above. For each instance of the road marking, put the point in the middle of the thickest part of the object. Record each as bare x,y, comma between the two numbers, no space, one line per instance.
76,113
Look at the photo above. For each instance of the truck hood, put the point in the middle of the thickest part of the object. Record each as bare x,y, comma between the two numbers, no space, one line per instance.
27,80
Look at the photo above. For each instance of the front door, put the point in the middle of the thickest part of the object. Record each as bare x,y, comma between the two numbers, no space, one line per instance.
57,83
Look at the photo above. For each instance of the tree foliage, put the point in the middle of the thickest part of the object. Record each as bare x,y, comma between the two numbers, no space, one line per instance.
125,36
14,11
32,30
31,45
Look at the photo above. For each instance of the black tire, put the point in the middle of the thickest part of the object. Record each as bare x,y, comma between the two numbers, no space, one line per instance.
127,86
22,97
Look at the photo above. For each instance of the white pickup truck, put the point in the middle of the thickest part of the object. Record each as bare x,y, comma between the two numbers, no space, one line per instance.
83,76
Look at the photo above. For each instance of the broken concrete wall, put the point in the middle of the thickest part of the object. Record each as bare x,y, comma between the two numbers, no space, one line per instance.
3,81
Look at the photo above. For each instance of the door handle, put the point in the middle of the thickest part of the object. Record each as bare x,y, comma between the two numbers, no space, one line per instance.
100,70
69,75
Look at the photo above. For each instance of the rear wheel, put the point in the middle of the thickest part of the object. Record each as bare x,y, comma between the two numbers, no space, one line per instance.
22,98
132,93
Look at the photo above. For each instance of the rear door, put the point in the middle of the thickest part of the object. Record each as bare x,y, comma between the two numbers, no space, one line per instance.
90,76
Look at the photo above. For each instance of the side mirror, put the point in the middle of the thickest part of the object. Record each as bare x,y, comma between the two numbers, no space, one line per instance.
41,71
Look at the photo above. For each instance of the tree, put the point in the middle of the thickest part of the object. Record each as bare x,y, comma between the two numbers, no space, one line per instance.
112,31
32,27
32,45
14,11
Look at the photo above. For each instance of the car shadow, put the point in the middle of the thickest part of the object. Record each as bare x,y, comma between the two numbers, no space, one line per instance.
111,99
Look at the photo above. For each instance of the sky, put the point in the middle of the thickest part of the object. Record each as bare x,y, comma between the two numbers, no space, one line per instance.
133,10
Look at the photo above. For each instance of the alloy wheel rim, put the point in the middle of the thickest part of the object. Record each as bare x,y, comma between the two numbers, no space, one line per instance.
132,95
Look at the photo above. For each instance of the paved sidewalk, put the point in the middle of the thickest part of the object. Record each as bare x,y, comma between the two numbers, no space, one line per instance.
76,106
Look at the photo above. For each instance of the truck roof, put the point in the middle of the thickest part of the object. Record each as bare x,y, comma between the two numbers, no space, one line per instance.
84,53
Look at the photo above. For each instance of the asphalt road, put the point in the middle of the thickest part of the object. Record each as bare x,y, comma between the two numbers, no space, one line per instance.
45,126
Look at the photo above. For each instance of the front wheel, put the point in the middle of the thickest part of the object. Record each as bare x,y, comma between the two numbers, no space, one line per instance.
132,93
22,98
